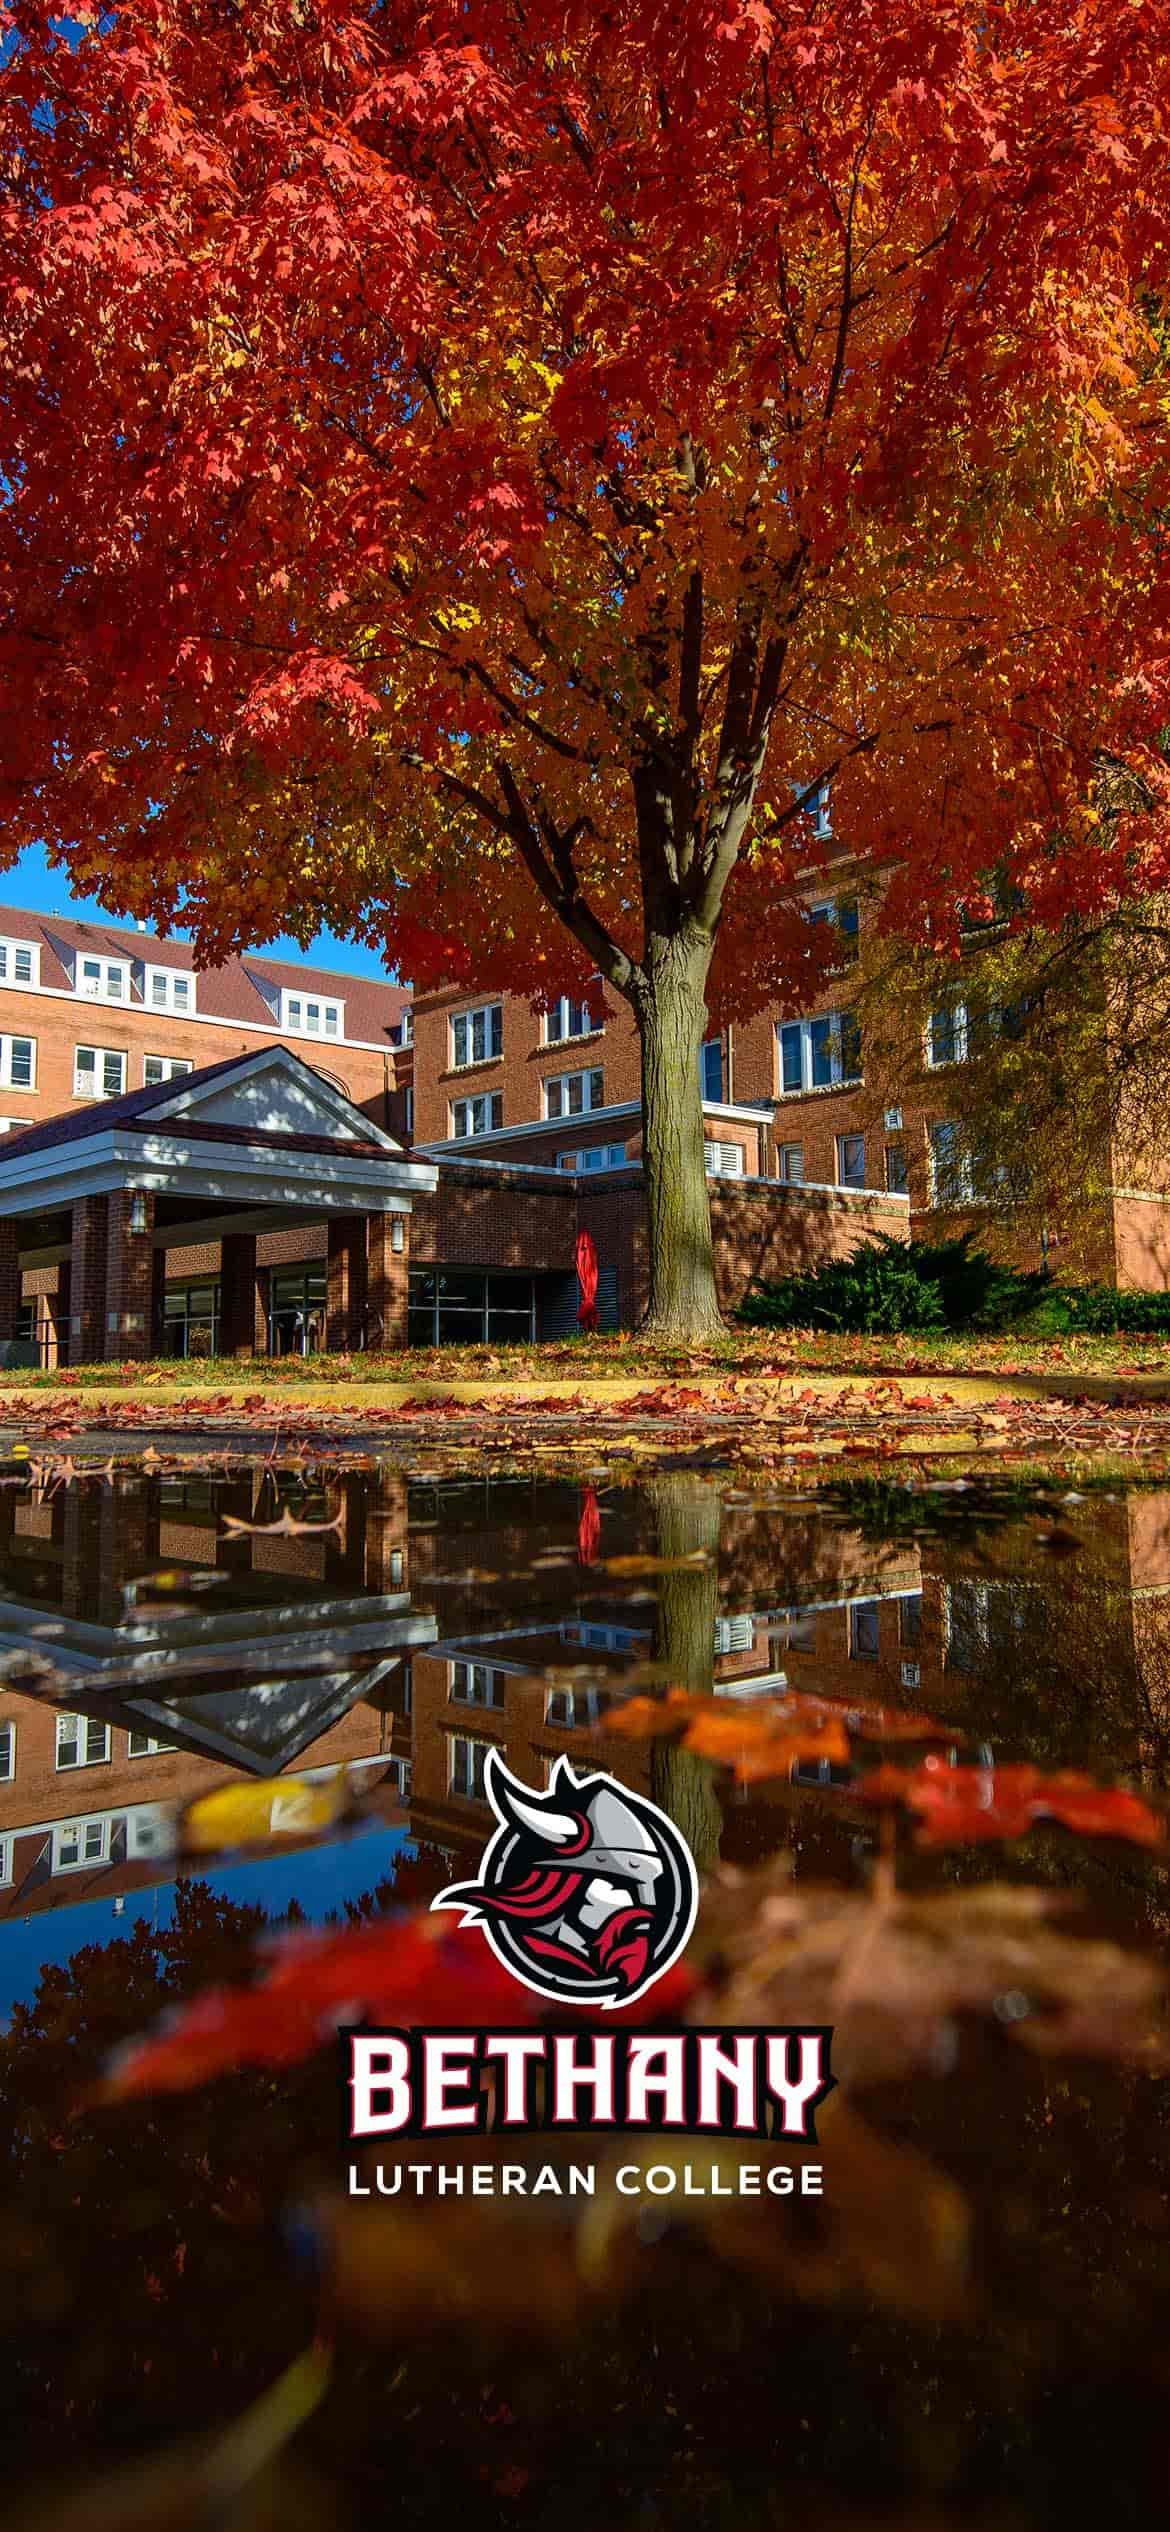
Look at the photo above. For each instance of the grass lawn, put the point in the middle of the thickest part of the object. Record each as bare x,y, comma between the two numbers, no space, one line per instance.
613,1366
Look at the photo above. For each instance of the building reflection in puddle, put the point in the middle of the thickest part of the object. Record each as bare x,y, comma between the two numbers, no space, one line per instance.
208,1627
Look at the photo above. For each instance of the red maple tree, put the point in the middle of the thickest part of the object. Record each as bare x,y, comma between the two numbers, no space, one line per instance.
474,471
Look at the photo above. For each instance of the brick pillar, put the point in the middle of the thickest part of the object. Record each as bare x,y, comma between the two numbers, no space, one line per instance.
346,1272
9,1278
127,1335
385,1532
87,1290
158,1299
389,1280
238,1295
59,1312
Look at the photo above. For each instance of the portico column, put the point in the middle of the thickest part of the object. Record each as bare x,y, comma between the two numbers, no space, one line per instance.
388,1268
346,1272
9,1279
238,1292
87,1281
127,1332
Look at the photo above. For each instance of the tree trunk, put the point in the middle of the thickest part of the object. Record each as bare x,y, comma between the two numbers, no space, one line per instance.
671,1013
688,1516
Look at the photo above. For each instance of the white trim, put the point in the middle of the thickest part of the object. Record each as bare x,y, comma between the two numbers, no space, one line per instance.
181,1164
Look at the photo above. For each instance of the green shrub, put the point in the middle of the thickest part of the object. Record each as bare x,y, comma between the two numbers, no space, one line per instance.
1096,1310
878,1289
895,1286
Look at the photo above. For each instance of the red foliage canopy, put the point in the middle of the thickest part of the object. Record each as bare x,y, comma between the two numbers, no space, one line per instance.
509,454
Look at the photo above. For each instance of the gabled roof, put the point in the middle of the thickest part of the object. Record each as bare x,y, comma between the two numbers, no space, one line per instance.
173,1101
373,1007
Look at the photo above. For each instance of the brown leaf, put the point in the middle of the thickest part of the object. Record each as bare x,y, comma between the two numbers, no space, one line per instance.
892,1974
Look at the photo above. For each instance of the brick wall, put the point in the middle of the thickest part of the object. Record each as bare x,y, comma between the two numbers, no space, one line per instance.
523,1068
59,1024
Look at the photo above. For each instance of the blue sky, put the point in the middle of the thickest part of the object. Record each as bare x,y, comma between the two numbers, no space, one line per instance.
322,1878
43,891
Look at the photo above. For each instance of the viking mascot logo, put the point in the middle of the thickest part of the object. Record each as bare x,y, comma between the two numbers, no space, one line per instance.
586,1893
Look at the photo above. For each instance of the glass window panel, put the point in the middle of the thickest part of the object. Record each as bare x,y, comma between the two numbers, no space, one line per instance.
821,1053
791,1073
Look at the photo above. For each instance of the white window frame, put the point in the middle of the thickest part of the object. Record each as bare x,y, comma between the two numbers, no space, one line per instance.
736,1634
83,1830
485,1020
956,1012
305,1013
478,1752
7,1045
102,1055
594,1157
173,1069
724,1160
486,1101
110,984
560,1024
150,1747
169,989
10,952
580,1709
7,1846
788,1176
85,1724
839,1079
7,1752
592,1080
481,1685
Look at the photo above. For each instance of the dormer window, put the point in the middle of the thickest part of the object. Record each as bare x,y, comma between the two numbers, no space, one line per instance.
20,963
309,1015
103,979
168,989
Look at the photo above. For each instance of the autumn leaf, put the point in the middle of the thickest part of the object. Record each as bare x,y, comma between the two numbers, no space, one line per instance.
965,1805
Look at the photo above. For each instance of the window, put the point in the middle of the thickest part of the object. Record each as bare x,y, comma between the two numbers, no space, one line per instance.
18,1063
790,1164
952,1174
99,1072
476,1684
711,1068
571,1094
477,1036
793,1631
723,1160
469,1307
20,963
851,1160
863,1631
594,1156
103,979
484,1115
408,1109
735,1635
78,1843
817,808
910,1620
159,1068
819,1054
574,1709
946,1035
897,1176
7,1753
81,1742
169,989
306,1015
6,1849
465,1768
568,1019
144,1745
841,912
403,1035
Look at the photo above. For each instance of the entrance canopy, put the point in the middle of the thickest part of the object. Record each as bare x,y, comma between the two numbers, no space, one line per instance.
255,1144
